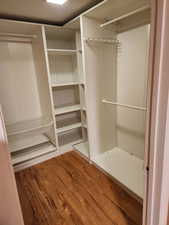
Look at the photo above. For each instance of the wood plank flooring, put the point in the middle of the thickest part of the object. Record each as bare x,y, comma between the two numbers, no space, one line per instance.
67,190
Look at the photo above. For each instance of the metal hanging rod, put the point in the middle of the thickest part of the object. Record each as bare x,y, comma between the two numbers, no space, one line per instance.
125,15
10,37
17,35
101,40
124,105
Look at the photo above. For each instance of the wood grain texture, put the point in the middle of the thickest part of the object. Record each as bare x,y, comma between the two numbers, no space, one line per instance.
67,190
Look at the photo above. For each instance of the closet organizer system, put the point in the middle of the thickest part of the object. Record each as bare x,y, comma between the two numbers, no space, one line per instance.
82,86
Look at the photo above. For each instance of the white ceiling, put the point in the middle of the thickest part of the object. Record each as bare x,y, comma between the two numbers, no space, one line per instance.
42,12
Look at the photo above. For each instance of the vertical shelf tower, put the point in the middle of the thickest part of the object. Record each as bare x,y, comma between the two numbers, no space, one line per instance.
67,86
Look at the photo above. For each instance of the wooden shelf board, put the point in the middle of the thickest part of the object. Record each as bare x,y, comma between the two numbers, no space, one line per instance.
31,153
28,125
124,167
69,127
17,143
62,51
67,109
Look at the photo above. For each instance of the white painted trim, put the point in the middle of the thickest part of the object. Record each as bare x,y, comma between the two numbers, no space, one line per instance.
158,188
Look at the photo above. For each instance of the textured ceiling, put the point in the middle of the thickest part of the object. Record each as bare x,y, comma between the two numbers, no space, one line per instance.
41,12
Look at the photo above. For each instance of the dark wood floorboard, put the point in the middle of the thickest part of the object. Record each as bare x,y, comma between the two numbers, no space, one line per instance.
67,190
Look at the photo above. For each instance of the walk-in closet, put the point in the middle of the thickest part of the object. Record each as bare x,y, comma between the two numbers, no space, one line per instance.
84,86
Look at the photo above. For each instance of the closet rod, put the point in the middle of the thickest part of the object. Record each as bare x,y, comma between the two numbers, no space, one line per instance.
17,35
125,15
15,40
108,41
124,105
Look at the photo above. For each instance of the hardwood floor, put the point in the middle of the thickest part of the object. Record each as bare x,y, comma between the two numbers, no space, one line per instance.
67,190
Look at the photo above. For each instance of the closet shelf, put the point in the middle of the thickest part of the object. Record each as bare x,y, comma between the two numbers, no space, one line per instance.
83,148
28,125
69,127
17,143
33,152
67,109
65,84
62,51
124,167
125,15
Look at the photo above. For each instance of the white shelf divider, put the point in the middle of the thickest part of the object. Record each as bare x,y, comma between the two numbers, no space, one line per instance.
18,143
67,109
69,127
62,51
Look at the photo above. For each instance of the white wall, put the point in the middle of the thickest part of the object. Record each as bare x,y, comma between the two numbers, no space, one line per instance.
132,75
18,85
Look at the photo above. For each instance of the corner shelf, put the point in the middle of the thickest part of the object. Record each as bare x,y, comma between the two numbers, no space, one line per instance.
67,109
61,51
69,127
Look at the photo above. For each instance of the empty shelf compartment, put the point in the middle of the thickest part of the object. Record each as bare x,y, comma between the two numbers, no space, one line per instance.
68,121
20,142
70,136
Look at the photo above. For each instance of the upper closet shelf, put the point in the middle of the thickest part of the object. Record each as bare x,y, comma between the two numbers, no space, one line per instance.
62,51
125,15
65,84
28,125
67,109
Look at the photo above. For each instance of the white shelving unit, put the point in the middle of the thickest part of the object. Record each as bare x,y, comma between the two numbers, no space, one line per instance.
64,60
